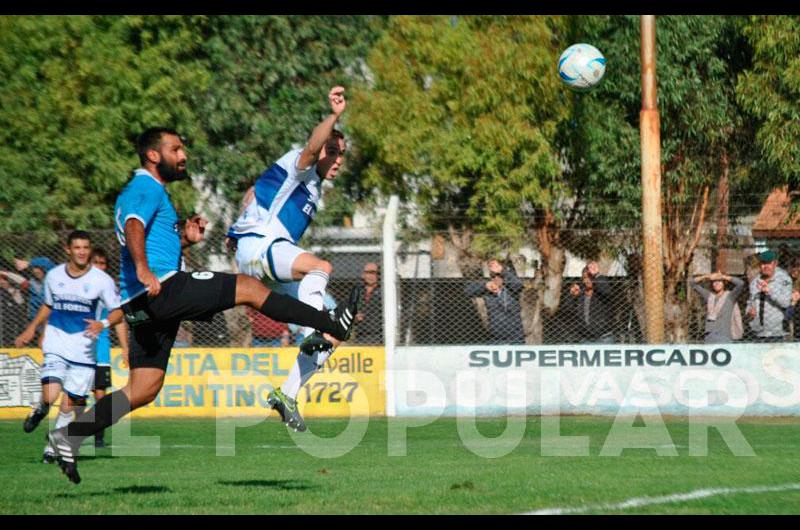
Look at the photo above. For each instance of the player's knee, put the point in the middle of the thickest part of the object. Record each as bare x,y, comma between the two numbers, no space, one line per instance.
250,290
325,266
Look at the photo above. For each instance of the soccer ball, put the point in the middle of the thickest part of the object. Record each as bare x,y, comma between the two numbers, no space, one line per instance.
581,66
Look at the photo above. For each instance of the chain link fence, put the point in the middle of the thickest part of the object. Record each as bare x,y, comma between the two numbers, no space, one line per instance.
446,295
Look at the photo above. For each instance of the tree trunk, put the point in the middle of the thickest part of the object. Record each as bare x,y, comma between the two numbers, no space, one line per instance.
723,202
681,239
543,298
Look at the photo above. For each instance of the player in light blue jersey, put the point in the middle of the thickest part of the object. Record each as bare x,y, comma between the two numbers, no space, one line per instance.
157,295
276,211
102,378
72,294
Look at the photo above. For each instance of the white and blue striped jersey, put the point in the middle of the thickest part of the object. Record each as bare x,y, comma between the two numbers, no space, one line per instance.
72,301
286,200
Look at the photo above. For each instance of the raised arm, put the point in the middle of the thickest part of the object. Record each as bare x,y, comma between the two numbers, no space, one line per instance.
322,131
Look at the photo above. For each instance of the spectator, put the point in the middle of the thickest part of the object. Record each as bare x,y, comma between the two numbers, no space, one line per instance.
792,321
723,316
589,303
501,295
770,297
370,317
12,311
267,332
34,284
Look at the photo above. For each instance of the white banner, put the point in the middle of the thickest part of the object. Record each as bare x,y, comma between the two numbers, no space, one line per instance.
717,380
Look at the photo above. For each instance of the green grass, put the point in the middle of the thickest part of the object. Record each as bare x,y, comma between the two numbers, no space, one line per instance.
270,474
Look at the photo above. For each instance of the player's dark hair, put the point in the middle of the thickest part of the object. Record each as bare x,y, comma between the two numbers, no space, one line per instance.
78,234
336,133
151,139
99,252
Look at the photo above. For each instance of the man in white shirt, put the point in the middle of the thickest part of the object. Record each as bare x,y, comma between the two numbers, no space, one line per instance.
276,211
71,308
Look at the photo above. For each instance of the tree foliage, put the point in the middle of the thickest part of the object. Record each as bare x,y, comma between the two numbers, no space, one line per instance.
460,118
770,91
76,91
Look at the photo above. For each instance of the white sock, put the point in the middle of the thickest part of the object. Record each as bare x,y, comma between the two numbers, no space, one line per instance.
305,367
312,291
63,419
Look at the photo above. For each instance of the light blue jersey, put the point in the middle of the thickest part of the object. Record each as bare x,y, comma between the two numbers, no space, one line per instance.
103,343
284,203
146,199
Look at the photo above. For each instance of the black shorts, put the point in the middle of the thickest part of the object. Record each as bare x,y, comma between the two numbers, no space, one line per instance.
155,321
102,377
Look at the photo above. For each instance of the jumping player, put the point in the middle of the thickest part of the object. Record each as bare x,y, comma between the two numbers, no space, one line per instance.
157,295
276,211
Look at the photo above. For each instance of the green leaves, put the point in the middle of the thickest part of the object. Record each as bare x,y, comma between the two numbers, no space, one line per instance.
461,117
770,91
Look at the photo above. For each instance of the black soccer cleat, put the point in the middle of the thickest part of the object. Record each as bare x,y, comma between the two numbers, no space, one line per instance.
344,316
314,343
66,449
35,417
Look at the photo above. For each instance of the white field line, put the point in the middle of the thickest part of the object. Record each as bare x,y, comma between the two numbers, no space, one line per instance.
636,502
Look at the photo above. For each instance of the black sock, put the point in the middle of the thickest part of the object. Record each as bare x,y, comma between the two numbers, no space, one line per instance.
284,308
104,414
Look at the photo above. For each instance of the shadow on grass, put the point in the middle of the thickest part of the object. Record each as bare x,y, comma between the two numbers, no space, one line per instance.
274,484
97,457
136,490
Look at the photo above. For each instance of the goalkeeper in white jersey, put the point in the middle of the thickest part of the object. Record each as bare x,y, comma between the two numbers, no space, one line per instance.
73,292
276,211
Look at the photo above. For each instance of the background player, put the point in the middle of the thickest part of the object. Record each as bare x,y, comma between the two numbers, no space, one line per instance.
73,292
102,379
276,211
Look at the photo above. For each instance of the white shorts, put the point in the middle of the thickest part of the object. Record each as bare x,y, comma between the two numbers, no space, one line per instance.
76,378
267,256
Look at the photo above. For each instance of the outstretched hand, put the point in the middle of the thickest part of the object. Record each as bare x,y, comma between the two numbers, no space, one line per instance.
337,101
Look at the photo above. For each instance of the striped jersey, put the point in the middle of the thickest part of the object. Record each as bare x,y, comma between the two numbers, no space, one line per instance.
285,202
72,301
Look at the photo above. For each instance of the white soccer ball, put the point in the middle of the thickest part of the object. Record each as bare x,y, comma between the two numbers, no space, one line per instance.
581,66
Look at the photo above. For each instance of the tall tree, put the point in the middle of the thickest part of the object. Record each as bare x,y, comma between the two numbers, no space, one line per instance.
770,91
270,78
460,117
704,134
75,92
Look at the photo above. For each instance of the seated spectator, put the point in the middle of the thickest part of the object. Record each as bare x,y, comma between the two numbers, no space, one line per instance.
723,316
501,295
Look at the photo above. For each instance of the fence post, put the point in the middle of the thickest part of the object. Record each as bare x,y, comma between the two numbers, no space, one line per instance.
390,299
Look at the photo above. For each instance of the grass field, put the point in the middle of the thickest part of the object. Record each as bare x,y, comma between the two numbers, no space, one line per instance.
270,474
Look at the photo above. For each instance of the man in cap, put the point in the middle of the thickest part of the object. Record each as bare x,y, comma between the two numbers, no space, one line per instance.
770,296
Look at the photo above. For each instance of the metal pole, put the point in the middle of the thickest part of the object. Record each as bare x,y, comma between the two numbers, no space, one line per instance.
650,134
390,297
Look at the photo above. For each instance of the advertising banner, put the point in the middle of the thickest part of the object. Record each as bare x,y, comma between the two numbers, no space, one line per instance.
209,382
723,379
